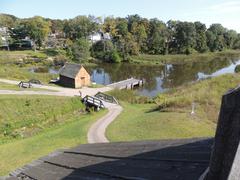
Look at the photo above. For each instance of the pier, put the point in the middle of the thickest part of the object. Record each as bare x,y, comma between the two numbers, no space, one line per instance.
127,84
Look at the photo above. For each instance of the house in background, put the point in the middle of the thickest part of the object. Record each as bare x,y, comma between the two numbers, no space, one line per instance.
98,36
74,76
4,36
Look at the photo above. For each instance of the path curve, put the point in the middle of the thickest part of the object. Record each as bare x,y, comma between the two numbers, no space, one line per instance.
96,133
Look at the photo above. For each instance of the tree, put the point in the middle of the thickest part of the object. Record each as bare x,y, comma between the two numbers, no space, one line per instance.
230,38
56,25
215,37
201,39
109,26
80,27
122,27
7,20
157,37
37,29
80,50
185,37
236,44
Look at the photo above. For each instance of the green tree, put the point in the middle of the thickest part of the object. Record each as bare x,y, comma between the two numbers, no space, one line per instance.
230,38
185,37
110,26
37,29
80,27
7,20
157,37
201,38
236,44
80,50
215,37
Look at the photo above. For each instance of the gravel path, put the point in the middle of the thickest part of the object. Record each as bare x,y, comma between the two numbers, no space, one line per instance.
96,133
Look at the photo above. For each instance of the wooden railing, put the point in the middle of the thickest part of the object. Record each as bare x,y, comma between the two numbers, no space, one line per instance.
93,101
106,97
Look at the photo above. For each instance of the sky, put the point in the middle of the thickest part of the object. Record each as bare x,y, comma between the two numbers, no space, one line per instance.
226,12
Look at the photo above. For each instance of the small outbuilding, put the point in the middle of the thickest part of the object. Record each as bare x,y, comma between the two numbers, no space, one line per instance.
74,76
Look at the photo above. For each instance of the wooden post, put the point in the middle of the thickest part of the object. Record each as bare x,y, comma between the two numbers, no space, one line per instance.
227,137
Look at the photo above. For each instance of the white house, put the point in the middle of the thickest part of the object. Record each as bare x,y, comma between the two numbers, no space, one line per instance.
98,36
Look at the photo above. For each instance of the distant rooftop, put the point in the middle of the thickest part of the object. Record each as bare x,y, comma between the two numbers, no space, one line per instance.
70,70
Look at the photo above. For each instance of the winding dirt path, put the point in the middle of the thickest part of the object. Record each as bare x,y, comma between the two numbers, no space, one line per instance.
96,133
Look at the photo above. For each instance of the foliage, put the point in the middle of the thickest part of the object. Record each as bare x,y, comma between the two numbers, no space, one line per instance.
130,36
7,20
80,50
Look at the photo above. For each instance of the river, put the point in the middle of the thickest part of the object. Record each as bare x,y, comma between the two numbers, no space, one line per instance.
161,78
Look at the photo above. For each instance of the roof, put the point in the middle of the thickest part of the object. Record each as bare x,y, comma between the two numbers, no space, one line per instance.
70,70
165,159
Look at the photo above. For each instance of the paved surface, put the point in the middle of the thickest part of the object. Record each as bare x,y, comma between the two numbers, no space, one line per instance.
96,132
61,91
184,159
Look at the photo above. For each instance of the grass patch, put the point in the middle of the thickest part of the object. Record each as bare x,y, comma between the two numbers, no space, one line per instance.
21,152
170,117
24,116
129,96
139,122
181,58
206,95
34,126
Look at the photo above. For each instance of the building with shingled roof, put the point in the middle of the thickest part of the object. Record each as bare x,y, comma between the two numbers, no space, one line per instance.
74,76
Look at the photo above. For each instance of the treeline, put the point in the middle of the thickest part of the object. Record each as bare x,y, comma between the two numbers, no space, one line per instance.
129,36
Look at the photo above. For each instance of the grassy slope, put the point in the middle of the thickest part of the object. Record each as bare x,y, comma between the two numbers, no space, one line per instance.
27,115
18,153
171,116
144,124
46,122
181,58
11,66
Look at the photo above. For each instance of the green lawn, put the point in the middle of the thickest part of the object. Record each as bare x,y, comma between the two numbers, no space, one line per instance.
26,115
139,122
181,58
34,126
170,117
20,152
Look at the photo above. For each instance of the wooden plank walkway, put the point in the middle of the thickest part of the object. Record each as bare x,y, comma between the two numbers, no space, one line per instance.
127,84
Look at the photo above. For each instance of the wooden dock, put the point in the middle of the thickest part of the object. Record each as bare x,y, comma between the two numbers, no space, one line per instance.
127,84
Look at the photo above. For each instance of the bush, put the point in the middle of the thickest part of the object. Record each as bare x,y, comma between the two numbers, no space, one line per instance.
114,57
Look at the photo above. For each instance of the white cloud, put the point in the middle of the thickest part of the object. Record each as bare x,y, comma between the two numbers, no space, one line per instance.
225,7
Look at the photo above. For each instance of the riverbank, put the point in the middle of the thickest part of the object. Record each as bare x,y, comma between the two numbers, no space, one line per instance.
146,59
34,126
169,117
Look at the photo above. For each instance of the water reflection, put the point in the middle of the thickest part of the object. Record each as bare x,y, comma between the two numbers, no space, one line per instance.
161,78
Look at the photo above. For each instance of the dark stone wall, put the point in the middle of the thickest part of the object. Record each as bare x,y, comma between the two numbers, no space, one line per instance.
67,82
226,138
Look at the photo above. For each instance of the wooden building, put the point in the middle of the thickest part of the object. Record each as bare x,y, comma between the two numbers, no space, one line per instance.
74,76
